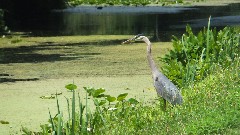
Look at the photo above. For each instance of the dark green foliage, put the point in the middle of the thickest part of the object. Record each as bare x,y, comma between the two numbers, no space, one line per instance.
1,20
193,55
19,11
3,27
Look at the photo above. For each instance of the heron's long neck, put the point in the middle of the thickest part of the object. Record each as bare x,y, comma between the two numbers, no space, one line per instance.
149,55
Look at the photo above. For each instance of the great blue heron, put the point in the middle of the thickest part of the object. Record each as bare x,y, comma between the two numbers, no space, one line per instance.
164,87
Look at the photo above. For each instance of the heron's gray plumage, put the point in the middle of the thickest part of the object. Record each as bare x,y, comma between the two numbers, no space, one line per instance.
164,87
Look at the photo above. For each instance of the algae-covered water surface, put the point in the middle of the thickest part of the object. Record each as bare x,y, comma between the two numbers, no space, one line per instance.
35,67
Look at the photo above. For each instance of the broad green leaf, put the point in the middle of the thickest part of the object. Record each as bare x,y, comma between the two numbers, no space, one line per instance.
71,86
97,92
102,102
121,97
133,101
110,98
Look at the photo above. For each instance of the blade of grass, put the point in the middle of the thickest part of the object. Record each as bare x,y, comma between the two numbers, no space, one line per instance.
86,113
51,121
68,107
208,36
69,117
57,104
59,130
81,109
73,112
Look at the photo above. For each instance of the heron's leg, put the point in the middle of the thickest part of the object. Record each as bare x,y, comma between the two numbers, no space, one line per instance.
164,104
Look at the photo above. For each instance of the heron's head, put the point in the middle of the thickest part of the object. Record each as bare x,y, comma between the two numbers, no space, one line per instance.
138,37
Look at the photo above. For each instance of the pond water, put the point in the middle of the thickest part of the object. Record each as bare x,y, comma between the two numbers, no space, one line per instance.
158,22
152,21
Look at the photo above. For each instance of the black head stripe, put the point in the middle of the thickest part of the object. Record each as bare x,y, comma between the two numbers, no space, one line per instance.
138,36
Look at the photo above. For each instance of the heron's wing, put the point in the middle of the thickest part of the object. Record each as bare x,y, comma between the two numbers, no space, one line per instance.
166,89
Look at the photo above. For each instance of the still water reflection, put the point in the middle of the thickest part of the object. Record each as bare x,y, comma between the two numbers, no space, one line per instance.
163,21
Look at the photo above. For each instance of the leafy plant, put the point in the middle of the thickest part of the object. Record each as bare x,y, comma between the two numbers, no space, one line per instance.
84,121
193,55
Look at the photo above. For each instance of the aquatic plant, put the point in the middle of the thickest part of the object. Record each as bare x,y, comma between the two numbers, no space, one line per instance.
194,56
80,118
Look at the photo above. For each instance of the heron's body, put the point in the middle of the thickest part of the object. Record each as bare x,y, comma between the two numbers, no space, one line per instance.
164,87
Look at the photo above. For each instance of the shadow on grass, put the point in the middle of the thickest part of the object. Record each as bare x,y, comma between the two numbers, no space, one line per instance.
28,54
3,80
8,78
56,52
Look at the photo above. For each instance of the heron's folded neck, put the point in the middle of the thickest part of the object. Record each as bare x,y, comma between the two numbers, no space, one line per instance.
149,55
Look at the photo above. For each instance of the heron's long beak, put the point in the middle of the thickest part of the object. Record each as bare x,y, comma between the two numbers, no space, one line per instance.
129,41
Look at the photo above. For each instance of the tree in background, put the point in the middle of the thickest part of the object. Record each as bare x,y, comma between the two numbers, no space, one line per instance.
23,12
